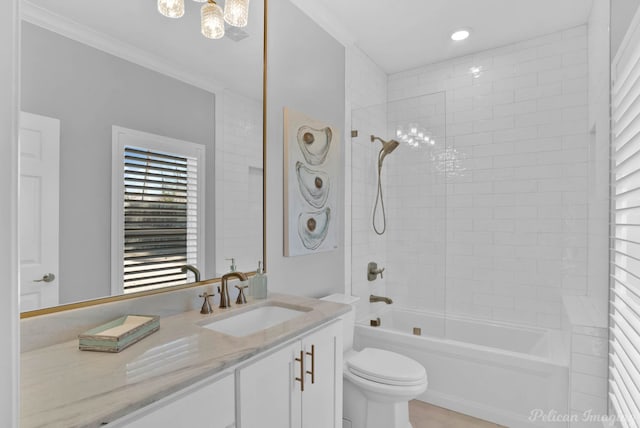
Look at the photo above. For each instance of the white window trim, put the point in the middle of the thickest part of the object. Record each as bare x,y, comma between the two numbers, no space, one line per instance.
152,142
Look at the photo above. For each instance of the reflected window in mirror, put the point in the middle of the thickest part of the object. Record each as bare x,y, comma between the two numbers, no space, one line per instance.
158,197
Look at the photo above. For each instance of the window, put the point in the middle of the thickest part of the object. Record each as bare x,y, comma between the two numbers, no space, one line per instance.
158,210
624,349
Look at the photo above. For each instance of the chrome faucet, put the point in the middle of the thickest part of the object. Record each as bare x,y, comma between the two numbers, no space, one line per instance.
374,299
224,290
193,269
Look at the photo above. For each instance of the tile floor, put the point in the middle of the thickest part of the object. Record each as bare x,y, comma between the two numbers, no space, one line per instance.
423,415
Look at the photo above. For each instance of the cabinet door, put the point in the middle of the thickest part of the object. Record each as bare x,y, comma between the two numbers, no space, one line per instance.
209,406
268,394
322,396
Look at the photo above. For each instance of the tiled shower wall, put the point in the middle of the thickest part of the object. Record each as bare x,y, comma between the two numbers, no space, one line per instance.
367,96
238,174
416,175
516,208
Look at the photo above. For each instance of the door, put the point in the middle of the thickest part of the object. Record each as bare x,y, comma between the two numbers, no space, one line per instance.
269,395
39,211
322,396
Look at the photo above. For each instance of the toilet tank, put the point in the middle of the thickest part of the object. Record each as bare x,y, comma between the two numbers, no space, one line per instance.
348,319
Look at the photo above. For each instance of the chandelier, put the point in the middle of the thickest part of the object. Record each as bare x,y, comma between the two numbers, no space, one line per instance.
236,13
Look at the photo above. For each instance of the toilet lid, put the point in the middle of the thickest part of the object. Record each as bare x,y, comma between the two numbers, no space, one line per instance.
386,367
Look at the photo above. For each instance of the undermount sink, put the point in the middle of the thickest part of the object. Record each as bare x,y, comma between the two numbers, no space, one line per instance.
253,320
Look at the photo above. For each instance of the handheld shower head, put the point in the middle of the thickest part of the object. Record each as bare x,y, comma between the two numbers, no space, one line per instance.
387,147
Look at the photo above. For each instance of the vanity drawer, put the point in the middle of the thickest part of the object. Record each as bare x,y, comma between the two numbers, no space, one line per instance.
204,405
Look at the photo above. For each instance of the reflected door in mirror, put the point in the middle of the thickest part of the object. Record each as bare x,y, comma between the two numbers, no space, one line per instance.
39,210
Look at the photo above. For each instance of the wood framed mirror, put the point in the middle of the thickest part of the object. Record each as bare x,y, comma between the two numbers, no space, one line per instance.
142,151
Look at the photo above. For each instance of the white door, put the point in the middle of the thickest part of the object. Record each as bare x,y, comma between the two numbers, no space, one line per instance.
322,396
269,395
39,211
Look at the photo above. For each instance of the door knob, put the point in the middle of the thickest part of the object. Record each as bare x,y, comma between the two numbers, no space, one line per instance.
46,278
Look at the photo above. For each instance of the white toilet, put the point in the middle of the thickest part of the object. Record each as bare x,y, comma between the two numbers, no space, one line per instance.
378,384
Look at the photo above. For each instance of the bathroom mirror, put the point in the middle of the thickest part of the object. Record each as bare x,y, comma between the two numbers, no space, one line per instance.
135,127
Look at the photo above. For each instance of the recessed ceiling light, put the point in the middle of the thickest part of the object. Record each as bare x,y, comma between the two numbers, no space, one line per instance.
460,35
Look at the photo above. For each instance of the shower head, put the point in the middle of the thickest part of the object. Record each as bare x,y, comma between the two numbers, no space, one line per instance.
387,146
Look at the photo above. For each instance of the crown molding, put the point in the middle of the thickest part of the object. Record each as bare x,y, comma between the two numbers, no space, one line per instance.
66,27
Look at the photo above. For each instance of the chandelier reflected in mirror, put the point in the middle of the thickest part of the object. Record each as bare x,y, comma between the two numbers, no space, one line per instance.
236,13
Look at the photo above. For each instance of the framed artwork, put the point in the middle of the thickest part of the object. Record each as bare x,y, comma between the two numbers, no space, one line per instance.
311,167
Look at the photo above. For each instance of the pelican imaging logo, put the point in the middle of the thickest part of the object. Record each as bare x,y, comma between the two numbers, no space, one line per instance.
553,416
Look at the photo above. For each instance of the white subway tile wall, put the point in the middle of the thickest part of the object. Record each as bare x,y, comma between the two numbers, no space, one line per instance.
589,375
599,149
368,96
239,175
505,198
417,174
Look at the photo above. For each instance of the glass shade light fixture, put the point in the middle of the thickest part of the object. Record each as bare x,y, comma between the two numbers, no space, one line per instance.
236,12
212,20
171,8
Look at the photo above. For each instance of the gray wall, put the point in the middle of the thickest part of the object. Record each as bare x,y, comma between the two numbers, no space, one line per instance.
306,74
89,91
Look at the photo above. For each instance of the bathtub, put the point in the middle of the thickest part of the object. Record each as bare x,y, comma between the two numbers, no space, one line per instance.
493,371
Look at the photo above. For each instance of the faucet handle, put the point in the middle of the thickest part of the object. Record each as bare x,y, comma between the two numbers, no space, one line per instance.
241,297
206,305
373,271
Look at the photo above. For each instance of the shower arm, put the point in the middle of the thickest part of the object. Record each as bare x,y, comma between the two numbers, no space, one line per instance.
374,138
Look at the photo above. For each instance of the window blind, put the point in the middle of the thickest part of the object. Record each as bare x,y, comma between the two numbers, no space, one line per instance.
160,218
624,348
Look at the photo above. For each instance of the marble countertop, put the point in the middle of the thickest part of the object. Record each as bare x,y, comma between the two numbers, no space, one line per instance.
62,386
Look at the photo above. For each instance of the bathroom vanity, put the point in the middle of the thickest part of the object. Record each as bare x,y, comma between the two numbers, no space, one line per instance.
188,373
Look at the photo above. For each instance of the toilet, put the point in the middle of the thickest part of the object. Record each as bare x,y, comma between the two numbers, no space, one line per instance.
378,384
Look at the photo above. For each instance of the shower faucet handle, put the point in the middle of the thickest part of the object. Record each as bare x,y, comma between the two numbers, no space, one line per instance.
373,271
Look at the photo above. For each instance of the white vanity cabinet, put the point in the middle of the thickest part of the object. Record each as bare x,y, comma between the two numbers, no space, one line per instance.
264,392
208,404
271,392
322,396
267,390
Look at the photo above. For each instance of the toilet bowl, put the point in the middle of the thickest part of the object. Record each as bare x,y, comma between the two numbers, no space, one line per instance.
378,384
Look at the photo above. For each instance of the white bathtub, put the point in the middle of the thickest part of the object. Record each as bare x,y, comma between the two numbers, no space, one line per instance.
497,372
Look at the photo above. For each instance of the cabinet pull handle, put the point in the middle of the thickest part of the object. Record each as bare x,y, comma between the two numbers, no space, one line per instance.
312,354
301,378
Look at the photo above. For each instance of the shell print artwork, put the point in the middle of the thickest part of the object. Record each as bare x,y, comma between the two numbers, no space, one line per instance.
314,185
314,143
312,168
313,227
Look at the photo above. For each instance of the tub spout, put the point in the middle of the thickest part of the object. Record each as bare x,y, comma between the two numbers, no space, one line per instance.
374,299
